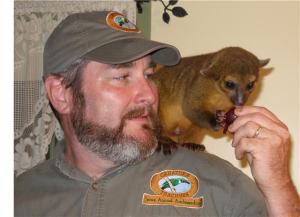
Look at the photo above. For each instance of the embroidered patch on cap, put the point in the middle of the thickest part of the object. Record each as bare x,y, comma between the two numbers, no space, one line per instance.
175,188
120,22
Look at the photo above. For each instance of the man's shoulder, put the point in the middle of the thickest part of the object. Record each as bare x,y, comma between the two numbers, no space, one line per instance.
201,159
216,175
203,164
33,176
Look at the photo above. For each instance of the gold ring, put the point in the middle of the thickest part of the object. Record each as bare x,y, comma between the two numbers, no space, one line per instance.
257,132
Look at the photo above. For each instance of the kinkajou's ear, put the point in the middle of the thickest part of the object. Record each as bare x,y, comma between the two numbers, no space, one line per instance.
59,96
263,62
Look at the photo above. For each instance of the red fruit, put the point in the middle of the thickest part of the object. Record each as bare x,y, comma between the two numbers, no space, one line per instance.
225,119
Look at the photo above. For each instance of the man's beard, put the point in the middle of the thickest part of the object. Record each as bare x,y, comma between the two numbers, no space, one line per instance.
111,143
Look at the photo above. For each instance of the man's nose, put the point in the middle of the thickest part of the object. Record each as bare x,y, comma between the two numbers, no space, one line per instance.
146,91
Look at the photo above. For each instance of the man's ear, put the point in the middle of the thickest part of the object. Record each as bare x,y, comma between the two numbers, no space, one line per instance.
58,94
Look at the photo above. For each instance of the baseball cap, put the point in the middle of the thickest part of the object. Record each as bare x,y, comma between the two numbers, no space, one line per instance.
103,36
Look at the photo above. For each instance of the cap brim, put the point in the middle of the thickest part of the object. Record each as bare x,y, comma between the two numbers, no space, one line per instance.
130,49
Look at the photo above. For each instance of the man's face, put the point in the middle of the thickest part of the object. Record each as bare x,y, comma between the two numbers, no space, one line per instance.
115,113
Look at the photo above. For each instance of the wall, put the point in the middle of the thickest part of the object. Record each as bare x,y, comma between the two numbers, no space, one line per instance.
269,30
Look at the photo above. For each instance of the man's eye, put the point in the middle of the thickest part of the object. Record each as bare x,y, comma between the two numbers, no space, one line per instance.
148,75
120,78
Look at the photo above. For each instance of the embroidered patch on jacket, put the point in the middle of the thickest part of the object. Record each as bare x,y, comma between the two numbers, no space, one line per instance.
175,188
120,22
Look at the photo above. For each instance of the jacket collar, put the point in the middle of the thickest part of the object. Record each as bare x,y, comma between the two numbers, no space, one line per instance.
74,173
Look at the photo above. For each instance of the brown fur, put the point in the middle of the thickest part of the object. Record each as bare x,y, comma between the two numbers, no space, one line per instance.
192,91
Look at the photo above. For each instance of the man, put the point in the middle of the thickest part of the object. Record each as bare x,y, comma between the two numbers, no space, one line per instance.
97,69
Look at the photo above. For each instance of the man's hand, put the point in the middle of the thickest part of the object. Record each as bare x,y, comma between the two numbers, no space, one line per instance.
265,141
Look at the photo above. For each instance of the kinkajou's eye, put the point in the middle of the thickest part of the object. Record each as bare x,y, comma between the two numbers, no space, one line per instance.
230,85
250,85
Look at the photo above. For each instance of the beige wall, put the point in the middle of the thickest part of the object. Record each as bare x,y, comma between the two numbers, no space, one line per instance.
269,30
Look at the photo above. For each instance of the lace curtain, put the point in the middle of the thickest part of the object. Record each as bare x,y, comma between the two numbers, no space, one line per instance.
35,125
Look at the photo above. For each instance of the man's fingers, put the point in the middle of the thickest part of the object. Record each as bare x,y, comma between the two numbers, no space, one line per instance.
244,110
260,121
252,148
251,130
256,146
246,146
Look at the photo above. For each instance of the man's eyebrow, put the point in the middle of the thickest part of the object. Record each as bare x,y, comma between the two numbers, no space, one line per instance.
130,64
122,65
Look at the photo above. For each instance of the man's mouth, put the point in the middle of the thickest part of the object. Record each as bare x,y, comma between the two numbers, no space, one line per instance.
137,116
143,119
